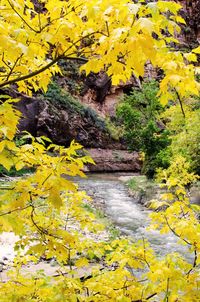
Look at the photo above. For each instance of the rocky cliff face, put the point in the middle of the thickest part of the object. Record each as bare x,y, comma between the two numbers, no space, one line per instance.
62,125
190,35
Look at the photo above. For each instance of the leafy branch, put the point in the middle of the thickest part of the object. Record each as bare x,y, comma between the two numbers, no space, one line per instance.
25,22
15,210
174,232
36,72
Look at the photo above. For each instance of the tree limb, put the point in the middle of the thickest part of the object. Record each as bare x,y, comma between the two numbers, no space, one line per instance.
42,69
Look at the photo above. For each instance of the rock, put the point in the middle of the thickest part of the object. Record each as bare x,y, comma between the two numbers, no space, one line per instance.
53,262
7,243
1,267
190,34
195,197
29,107
139,196
53,123
100,83
62,125
114,160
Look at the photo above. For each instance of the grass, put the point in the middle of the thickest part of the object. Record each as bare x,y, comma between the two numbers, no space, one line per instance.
140,182
142,188
132,184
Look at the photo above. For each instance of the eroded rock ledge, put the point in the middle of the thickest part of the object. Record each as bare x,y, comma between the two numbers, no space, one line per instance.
108,160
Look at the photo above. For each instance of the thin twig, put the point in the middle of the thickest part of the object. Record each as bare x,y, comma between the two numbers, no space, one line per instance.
144,248
194,263
12,68
27,24
148,298
15,210
107,29
167,293
175,233
180,102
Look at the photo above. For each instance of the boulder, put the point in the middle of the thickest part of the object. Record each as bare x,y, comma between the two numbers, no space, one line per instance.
100,83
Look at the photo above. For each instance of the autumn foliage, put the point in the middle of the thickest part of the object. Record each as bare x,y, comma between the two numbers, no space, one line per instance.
46,208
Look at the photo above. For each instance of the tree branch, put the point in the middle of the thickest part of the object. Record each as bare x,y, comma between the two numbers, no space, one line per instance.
42,69
180,102
15,210
32,74
148,298
174,232
29,26
194,263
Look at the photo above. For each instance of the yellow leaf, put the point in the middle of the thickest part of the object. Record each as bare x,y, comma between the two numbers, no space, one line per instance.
19,165
179,19
54,198
196,50
146,25
190,57
81,262
6,161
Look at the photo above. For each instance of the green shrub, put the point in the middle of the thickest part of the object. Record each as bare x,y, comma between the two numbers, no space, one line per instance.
89,113
58,96
143,131
132,184
72,76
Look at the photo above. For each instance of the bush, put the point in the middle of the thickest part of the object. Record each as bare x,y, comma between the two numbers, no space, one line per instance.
185,132
72,77
139,113
114,128
58,96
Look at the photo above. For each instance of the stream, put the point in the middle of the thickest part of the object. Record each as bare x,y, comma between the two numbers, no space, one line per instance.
126,214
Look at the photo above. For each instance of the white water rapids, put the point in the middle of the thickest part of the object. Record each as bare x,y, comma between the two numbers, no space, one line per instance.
126,214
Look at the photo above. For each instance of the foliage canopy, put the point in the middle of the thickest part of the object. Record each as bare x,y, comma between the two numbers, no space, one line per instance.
41,208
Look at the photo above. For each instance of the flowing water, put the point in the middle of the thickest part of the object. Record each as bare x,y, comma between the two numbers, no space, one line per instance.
130,217
126,214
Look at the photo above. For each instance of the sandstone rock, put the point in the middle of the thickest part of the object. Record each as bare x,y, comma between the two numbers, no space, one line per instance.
29,107
100,83
114,160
